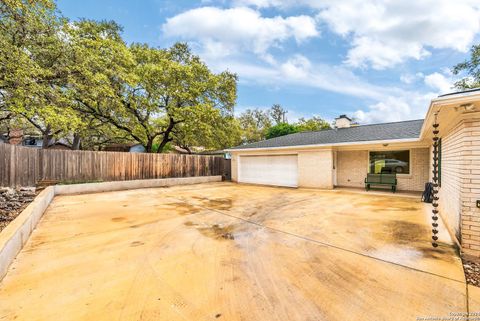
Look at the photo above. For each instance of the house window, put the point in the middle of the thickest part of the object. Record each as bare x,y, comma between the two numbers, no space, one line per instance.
390,162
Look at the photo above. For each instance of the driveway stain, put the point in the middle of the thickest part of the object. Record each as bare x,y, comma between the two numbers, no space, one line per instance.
222,204
217,232
183,208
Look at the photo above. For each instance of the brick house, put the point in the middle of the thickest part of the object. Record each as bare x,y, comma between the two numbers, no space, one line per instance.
342,157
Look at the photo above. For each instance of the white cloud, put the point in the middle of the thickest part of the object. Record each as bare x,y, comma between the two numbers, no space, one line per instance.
439,82
408,104
403,106
411,78
264,3
388,103
225,31
300,71
384,33
382,54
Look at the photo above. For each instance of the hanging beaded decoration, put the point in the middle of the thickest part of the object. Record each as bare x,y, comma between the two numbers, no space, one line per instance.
435,182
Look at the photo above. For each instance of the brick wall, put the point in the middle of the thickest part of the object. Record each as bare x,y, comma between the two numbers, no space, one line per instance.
352,169
453,146
315,169
420,162
15,137
469,174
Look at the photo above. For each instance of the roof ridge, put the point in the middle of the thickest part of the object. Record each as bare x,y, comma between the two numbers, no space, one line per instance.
322,130
369,132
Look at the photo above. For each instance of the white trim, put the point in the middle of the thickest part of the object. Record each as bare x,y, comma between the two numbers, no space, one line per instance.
369,142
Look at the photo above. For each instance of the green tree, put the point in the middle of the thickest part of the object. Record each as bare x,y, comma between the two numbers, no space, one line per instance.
281,129
80,80
470,68
33,68
278,114
216,132
101,68
254,124
147,93
312,124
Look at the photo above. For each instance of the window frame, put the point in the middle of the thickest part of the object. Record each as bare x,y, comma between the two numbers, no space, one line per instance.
393,150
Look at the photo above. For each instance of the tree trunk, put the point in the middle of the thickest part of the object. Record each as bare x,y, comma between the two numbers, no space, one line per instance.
149,147
166,135
76,141
164,142
47,137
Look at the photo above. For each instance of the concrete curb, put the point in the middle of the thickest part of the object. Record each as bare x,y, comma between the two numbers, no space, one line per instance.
135,184
16,234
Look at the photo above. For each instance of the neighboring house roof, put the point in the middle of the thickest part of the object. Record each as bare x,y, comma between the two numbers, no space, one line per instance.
375,132
59,145
213,152
344,116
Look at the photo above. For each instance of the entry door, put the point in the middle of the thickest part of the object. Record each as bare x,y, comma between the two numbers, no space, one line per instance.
278,170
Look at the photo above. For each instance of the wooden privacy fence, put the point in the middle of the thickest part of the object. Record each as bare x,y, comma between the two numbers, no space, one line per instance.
24,166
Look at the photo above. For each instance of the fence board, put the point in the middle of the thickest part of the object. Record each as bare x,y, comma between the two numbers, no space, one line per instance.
25,166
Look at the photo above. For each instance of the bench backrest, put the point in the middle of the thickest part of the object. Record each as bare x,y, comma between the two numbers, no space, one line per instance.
382,178
388,178
373,178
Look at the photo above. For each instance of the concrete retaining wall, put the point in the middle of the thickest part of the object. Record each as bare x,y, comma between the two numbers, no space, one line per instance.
16,234
136,184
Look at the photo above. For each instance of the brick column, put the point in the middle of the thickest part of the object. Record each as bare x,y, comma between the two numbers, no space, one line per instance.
15,136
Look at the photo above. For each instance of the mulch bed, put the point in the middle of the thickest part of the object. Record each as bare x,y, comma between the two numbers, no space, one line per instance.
472,272
12,203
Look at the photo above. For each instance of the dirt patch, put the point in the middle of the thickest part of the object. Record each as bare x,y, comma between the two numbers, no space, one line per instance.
215,231
118,219
472,272
183,208
388,204
407,231
216,203
435,253
401,232
12,203
412,236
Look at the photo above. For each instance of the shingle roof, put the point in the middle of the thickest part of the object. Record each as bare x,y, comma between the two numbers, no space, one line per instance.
364,133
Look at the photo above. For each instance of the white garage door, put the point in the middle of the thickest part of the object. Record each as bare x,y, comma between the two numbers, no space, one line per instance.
281,170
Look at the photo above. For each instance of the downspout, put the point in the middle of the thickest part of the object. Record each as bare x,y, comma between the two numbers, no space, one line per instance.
435,181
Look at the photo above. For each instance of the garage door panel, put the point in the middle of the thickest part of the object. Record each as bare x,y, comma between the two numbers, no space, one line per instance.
280,170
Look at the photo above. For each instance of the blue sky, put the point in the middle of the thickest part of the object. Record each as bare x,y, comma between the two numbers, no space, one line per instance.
371,59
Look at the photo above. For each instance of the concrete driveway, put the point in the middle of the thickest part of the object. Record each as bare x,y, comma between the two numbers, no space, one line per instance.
223,251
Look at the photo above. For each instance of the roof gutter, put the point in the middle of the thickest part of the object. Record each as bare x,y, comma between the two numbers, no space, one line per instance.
368,142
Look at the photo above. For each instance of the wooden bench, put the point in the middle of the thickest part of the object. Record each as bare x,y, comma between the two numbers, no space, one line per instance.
381,180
